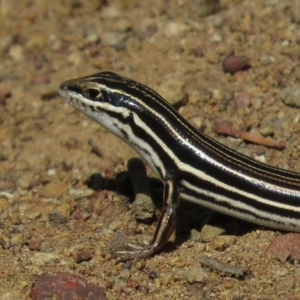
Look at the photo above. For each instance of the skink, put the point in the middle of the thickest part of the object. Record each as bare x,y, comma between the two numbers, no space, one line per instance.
192,166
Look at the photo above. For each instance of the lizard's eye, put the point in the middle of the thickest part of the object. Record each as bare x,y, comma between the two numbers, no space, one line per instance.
92,94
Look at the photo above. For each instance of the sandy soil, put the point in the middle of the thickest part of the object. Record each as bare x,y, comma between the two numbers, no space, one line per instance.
51,221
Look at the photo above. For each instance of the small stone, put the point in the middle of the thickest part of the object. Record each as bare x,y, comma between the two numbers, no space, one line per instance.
5,43
198,51
213,57
164,280
4,204
272,2
78,194
286,247
133,283
220,243
25,181
296,13
54,189
41,259
57,218
173,29
195,235
266,59
206,7
291,96
124,274
111,38
218,21
75,58
4,94
267,131
16,52
12,295
65,209
35,245
40,79
195,274
208,232
84,255
242,101
65,286
143,207
233,64
173,90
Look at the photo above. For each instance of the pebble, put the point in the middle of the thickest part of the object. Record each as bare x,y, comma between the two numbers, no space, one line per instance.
57,218
4,204
215,264
16,52
124,274
291,96
266,59
296,13
272,2
54,189
198,51
218,21
111,38
242,101
40,258
205,7
25,181
5,43
40,79
173,29
78,194
212,57
65,286
12,295
143,207
220,243
267,131
233,64
172,89
83,255
195,274
195,235
286,247
208,232
4,94
75,58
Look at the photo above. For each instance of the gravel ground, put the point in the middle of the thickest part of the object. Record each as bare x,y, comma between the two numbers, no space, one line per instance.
50,221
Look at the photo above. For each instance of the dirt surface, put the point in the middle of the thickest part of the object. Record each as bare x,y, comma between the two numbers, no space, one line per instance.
50,221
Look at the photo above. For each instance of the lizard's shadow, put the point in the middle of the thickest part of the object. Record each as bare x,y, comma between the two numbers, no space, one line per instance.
190,215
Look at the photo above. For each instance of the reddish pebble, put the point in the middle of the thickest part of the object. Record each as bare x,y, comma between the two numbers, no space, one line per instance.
84,255
65,286
233,64
40,79
38,62
35,245
4,94
286,247
133,283
198,51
